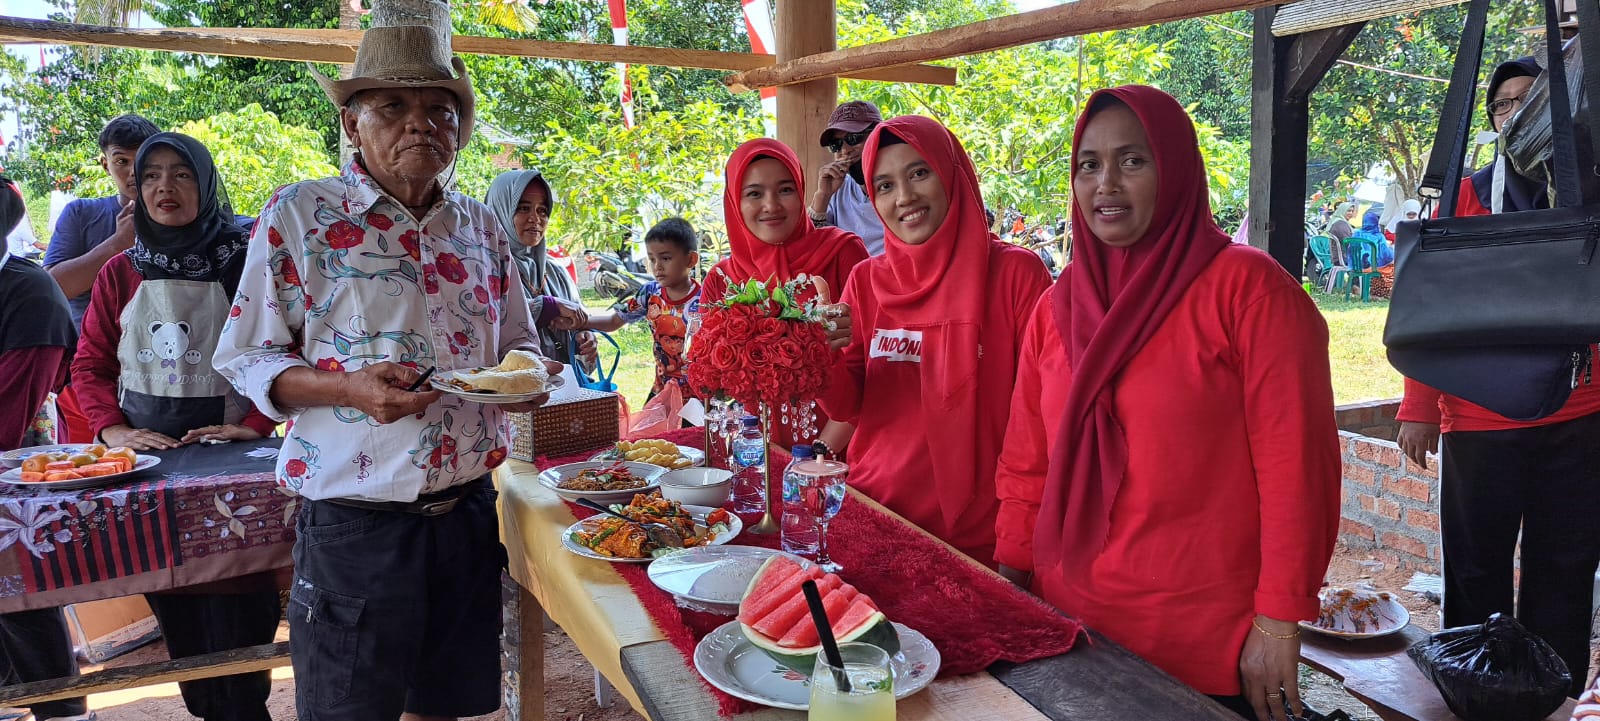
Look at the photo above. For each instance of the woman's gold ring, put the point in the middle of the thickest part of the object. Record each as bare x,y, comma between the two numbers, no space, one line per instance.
1274,695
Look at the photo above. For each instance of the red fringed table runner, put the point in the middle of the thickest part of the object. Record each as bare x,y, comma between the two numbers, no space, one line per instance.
973,617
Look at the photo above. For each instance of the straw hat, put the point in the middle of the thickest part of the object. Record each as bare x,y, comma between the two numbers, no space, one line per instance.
405,56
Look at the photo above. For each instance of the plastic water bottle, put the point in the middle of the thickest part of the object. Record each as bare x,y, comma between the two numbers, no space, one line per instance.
799,525
750,469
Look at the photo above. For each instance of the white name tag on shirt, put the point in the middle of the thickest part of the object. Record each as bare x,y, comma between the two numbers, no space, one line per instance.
897,345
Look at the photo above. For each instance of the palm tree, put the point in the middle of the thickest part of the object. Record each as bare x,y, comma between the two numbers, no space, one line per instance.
106,12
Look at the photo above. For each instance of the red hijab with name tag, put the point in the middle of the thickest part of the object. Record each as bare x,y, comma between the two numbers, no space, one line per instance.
1106,305
940,287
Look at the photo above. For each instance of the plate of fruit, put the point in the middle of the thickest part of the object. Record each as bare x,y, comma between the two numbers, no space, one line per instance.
77,466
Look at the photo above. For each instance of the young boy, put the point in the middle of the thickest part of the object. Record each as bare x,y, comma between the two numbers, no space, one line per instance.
671,303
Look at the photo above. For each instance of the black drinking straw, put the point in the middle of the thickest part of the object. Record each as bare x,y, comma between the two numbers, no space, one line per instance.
830,647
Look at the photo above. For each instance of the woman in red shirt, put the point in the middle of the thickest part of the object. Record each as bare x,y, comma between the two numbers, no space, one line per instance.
1171,467
773,239
1500,478
936,324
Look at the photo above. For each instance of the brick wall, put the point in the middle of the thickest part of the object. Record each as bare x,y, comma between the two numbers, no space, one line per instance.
1374,419
1390,506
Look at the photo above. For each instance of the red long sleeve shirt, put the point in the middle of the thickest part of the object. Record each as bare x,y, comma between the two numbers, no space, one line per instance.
95,369
1425,404
1230,502
889,458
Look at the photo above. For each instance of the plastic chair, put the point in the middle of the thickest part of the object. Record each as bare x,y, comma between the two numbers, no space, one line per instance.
1338,267
1363,261
1322,249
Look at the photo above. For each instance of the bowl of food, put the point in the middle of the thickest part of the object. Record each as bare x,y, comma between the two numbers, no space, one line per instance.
698,486
1358,613
603,482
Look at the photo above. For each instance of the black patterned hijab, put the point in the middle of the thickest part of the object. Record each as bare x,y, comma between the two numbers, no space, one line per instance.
209,248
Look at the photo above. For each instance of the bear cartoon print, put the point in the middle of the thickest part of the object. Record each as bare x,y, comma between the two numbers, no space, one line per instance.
167,379
169,341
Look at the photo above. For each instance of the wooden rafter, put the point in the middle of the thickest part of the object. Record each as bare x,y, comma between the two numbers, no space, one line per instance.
339,46
1075,18
1308,15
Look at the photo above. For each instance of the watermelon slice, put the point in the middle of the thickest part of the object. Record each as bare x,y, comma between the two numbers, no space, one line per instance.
776,619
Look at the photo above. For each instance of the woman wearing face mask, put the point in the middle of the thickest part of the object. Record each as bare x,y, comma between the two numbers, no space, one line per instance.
937,322
145,380
774,240
1171,467
523,200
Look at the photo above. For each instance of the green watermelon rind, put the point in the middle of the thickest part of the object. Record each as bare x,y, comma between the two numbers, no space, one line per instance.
880,632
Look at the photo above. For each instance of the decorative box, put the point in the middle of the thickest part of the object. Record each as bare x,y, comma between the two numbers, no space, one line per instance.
587,419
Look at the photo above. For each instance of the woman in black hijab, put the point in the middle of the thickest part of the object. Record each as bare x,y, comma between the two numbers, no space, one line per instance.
144,379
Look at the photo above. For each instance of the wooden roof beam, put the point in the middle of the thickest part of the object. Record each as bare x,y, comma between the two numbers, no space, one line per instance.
1074,18
1310,15
339,46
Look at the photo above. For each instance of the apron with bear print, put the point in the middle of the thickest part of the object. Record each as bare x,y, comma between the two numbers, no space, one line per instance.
169,332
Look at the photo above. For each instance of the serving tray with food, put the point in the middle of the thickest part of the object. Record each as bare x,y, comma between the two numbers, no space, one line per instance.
77,466
654,451
609,538
520,377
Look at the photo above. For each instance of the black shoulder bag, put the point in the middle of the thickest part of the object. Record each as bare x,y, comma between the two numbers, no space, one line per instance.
1500,310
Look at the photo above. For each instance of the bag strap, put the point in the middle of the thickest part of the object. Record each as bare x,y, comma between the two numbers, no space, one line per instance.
603,377
1442,178
1564,157
1589,14
606,378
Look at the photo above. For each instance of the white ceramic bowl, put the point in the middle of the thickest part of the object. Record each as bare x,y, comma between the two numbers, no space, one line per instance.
552,477
698,486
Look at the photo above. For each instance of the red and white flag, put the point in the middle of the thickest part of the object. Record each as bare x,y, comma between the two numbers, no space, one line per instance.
763,41
619,36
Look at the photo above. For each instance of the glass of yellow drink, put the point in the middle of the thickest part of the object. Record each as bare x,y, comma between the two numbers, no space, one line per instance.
871,694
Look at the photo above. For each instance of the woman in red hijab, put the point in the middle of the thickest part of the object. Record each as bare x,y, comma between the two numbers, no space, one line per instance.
937,323
773,238
1171,468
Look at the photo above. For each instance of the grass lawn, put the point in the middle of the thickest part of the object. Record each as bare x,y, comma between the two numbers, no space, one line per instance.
1360,371
1355,335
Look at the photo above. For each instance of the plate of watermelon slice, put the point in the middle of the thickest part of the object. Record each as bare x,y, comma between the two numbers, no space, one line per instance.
766,655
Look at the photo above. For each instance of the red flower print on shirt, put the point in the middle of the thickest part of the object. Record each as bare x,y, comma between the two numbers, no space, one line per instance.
344,234
462,340
495,283
481,294
235,312
295,468
430,278
408,240
451,268
380,221
330,364
495,457
287,271
273,237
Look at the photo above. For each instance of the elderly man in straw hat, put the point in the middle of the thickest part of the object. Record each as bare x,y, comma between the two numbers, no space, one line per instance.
357,285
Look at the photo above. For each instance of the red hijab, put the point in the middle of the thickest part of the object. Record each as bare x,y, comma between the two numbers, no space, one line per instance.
940,287
808,250
1107,304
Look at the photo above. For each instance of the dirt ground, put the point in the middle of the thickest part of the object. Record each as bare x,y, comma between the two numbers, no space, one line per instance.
569,680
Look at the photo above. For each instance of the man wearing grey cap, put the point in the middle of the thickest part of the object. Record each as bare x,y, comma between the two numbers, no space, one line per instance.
840,199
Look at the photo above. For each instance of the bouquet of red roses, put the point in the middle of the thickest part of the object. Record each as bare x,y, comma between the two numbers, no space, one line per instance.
760,346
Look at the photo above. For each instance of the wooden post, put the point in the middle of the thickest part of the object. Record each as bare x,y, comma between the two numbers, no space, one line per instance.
805,27
1286,70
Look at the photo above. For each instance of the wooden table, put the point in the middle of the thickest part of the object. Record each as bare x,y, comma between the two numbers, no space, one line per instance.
1097,680
1379,674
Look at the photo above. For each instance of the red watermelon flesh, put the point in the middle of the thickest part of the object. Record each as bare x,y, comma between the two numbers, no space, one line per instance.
784,617
778,581
804,632
859,612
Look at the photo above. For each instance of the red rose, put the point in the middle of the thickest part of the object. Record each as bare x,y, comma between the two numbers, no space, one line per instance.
756,357
273,237
295,468
408,240
788,354
771,329
739,329
451,269
330,364
481,294
818,355
430,278
723,357
379,221
710,320
344,234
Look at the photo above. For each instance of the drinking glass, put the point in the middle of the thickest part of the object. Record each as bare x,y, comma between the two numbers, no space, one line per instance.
822,484
871,695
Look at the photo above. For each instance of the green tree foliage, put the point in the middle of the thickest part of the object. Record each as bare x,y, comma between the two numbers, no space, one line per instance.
256,154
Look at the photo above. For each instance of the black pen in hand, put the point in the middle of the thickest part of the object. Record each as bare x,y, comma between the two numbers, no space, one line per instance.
422,380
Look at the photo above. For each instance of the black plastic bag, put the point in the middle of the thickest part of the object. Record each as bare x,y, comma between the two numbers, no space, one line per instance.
1497,671
1529,143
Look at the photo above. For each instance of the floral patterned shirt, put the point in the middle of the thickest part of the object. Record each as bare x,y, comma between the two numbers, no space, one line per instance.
339,276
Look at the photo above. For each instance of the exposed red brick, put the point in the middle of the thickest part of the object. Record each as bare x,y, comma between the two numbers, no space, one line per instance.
1366,501
1388,509
1344,446
1389,457
1355,528
1422,520
1408,487
1366,451
1360,475
1405,544
1432,471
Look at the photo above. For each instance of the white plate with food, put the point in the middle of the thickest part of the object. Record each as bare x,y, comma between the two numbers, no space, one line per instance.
712,578
654,451
14,458
604,482
730,662
1358,613
92,465
519,378
608,538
